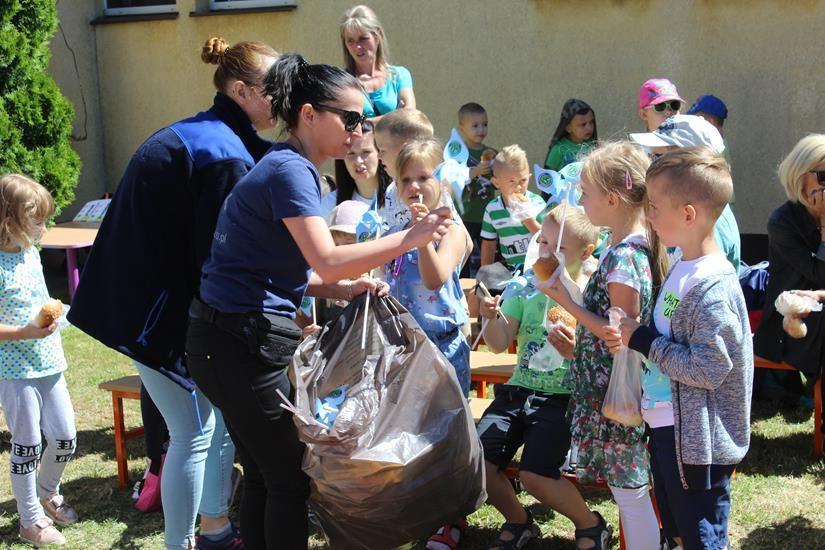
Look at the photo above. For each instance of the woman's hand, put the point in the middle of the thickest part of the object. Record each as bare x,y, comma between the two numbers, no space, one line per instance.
369,284
431,228
34,332
488,307
563,338
818,295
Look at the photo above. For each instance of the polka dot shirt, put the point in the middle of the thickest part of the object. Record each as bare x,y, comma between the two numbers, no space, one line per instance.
22,293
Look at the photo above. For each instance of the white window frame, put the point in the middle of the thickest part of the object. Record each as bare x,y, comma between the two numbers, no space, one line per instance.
139,10
242,4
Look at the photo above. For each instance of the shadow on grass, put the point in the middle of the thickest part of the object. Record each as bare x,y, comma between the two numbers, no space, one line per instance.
789,455
794,532
765,409
98,500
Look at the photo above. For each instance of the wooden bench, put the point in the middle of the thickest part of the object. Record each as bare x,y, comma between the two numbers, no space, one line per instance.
477,408
127,387
761,363
488,367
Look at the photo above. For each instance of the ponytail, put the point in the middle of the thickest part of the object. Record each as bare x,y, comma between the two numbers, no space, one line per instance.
292,83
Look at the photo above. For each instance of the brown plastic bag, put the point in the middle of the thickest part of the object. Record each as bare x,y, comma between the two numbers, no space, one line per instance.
403,456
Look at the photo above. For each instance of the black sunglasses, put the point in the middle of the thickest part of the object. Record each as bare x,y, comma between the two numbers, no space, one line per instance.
673,105
351,119
820,176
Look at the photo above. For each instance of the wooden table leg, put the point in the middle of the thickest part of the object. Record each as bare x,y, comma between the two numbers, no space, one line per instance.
120,440
481,392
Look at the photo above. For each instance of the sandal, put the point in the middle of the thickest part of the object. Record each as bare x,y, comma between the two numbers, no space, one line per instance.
601,534
522,534
444,535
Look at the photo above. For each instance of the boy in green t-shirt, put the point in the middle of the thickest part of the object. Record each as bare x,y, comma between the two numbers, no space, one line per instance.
472,127
511,219
530,409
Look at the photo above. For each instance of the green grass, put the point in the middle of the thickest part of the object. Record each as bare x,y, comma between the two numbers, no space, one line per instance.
778,493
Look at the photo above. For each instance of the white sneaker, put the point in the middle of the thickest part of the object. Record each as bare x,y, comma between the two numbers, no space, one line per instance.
57,509
42,533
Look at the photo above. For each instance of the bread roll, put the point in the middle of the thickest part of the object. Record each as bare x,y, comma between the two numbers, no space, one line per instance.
795,327
521,197
559,315
49,313
488,155
545,266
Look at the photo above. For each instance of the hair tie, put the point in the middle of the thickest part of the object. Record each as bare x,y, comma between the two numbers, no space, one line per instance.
628,182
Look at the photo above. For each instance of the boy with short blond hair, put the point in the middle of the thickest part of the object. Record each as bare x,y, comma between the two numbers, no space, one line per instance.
530,409
698,377
514,216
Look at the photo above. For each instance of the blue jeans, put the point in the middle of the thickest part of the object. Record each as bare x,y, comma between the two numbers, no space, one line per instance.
198,468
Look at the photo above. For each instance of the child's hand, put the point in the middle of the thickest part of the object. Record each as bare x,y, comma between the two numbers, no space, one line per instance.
309,330
563,338
555,289
369,284
33,332
613,339
419,211
618,337
488,307
483,168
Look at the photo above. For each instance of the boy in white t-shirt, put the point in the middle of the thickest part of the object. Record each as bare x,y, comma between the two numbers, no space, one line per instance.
699,371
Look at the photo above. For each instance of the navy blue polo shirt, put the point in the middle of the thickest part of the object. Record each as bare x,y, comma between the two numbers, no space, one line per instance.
255,263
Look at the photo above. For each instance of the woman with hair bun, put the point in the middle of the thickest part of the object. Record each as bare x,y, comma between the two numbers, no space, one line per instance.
271,247
144,270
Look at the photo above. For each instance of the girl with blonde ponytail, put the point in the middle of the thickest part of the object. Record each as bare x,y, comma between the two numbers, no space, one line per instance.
629,271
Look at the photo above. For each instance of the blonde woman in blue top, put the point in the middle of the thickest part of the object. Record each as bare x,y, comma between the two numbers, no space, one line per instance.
33,391
366,56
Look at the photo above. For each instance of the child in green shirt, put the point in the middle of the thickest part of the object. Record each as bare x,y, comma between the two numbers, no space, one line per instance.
574,136
472,127
530,409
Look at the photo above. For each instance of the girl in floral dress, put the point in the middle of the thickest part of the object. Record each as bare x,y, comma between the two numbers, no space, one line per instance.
629,272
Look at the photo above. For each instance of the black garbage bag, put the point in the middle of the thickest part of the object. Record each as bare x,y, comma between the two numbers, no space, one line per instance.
402,456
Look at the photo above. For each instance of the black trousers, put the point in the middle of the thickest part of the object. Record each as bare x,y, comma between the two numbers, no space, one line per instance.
242,386
156,434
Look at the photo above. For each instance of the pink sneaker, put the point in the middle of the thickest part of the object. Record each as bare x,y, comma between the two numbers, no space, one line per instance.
42,533
57,509
149,499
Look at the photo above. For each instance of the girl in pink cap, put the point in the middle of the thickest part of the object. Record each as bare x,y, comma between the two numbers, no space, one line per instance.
658,100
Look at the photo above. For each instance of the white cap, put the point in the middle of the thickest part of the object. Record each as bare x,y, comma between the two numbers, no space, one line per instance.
345,216
683,131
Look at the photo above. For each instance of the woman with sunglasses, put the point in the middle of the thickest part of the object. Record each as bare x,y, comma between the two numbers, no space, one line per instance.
271,246
658,101
796,251
144,269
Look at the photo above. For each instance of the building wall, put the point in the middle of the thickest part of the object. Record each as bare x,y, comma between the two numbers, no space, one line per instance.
521,59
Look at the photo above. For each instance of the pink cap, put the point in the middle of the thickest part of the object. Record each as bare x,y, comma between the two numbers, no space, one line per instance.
657,90
345,216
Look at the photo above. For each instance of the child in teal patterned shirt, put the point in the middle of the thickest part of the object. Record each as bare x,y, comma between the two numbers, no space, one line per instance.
33,391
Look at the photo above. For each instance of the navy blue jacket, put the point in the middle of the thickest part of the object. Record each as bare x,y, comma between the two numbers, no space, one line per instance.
144,268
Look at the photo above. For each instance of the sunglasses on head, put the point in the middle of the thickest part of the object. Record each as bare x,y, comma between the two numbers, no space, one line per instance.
820,176
673,105
351,119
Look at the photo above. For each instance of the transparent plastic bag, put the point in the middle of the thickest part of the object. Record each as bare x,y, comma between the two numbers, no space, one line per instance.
622,402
